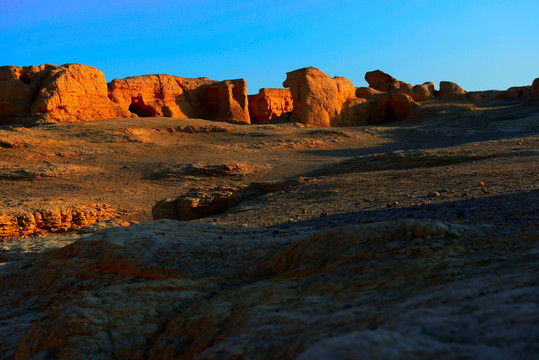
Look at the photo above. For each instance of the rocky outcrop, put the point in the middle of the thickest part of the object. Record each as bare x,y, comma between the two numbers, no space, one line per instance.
203,202
423,92
269,104
317,98
381,81
392,107
183,171
174,96
367,92
380,108
174,290
534,96
52,219
51,93
518,92
227,101
166,95
450,90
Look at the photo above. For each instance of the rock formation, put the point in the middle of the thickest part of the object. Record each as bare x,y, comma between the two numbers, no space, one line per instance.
517,92
367,92
317,98
52,219
534,91
450,90
380,108
174,96
67,93
381,81
227,101
423,92
392,107
269,104
176,290
202,202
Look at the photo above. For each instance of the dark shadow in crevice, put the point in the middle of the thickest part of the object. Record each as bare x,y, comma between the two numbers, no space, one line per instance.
140,108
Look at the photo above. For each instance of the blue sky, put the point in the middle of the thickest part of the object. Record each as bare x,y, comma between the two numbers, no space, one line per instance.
478,44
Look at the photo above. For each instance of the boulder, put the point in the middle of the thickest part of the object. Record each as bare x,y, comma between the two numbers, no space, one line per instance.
423,92
367,92
269,104
317,98
450,90
178,97
381,81
51,93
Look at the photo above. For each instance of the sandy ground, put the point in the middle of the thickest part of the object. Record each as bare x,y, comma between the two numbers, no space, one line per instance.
449,150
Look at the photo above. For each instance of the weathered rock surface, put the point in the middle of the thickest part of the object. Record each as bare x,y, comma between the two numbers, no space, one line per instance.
200,170
317,98
487,95
381,108
51,219
66,93
392,107
367,92
423,92
517,92
174,96
269,104
381,81
170,289
43,171
167,95
534,91
227,101
450,90
202,202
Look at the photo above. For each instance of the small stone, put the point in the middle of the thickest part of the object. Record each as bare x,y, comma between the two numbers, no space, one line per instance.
481,184
434,194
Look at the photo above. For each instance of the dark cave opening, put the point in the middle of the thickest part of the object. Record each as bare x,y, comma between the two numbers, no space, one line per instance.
25,78
140,108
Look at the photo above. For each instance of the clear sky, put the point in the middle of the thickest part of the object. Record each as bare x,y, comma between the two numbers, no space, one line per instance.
478,44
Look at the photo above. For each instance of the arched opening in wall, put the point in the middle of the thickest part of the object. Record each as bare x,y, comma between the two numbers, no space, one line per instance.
140,108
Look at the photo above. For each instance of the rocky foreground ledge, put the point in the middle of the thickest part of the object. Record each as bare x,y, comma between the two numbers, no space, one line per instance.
165,289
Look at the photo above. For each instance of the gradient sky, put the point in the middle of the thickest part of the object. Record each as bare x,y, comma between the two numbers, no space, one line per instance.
478,44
